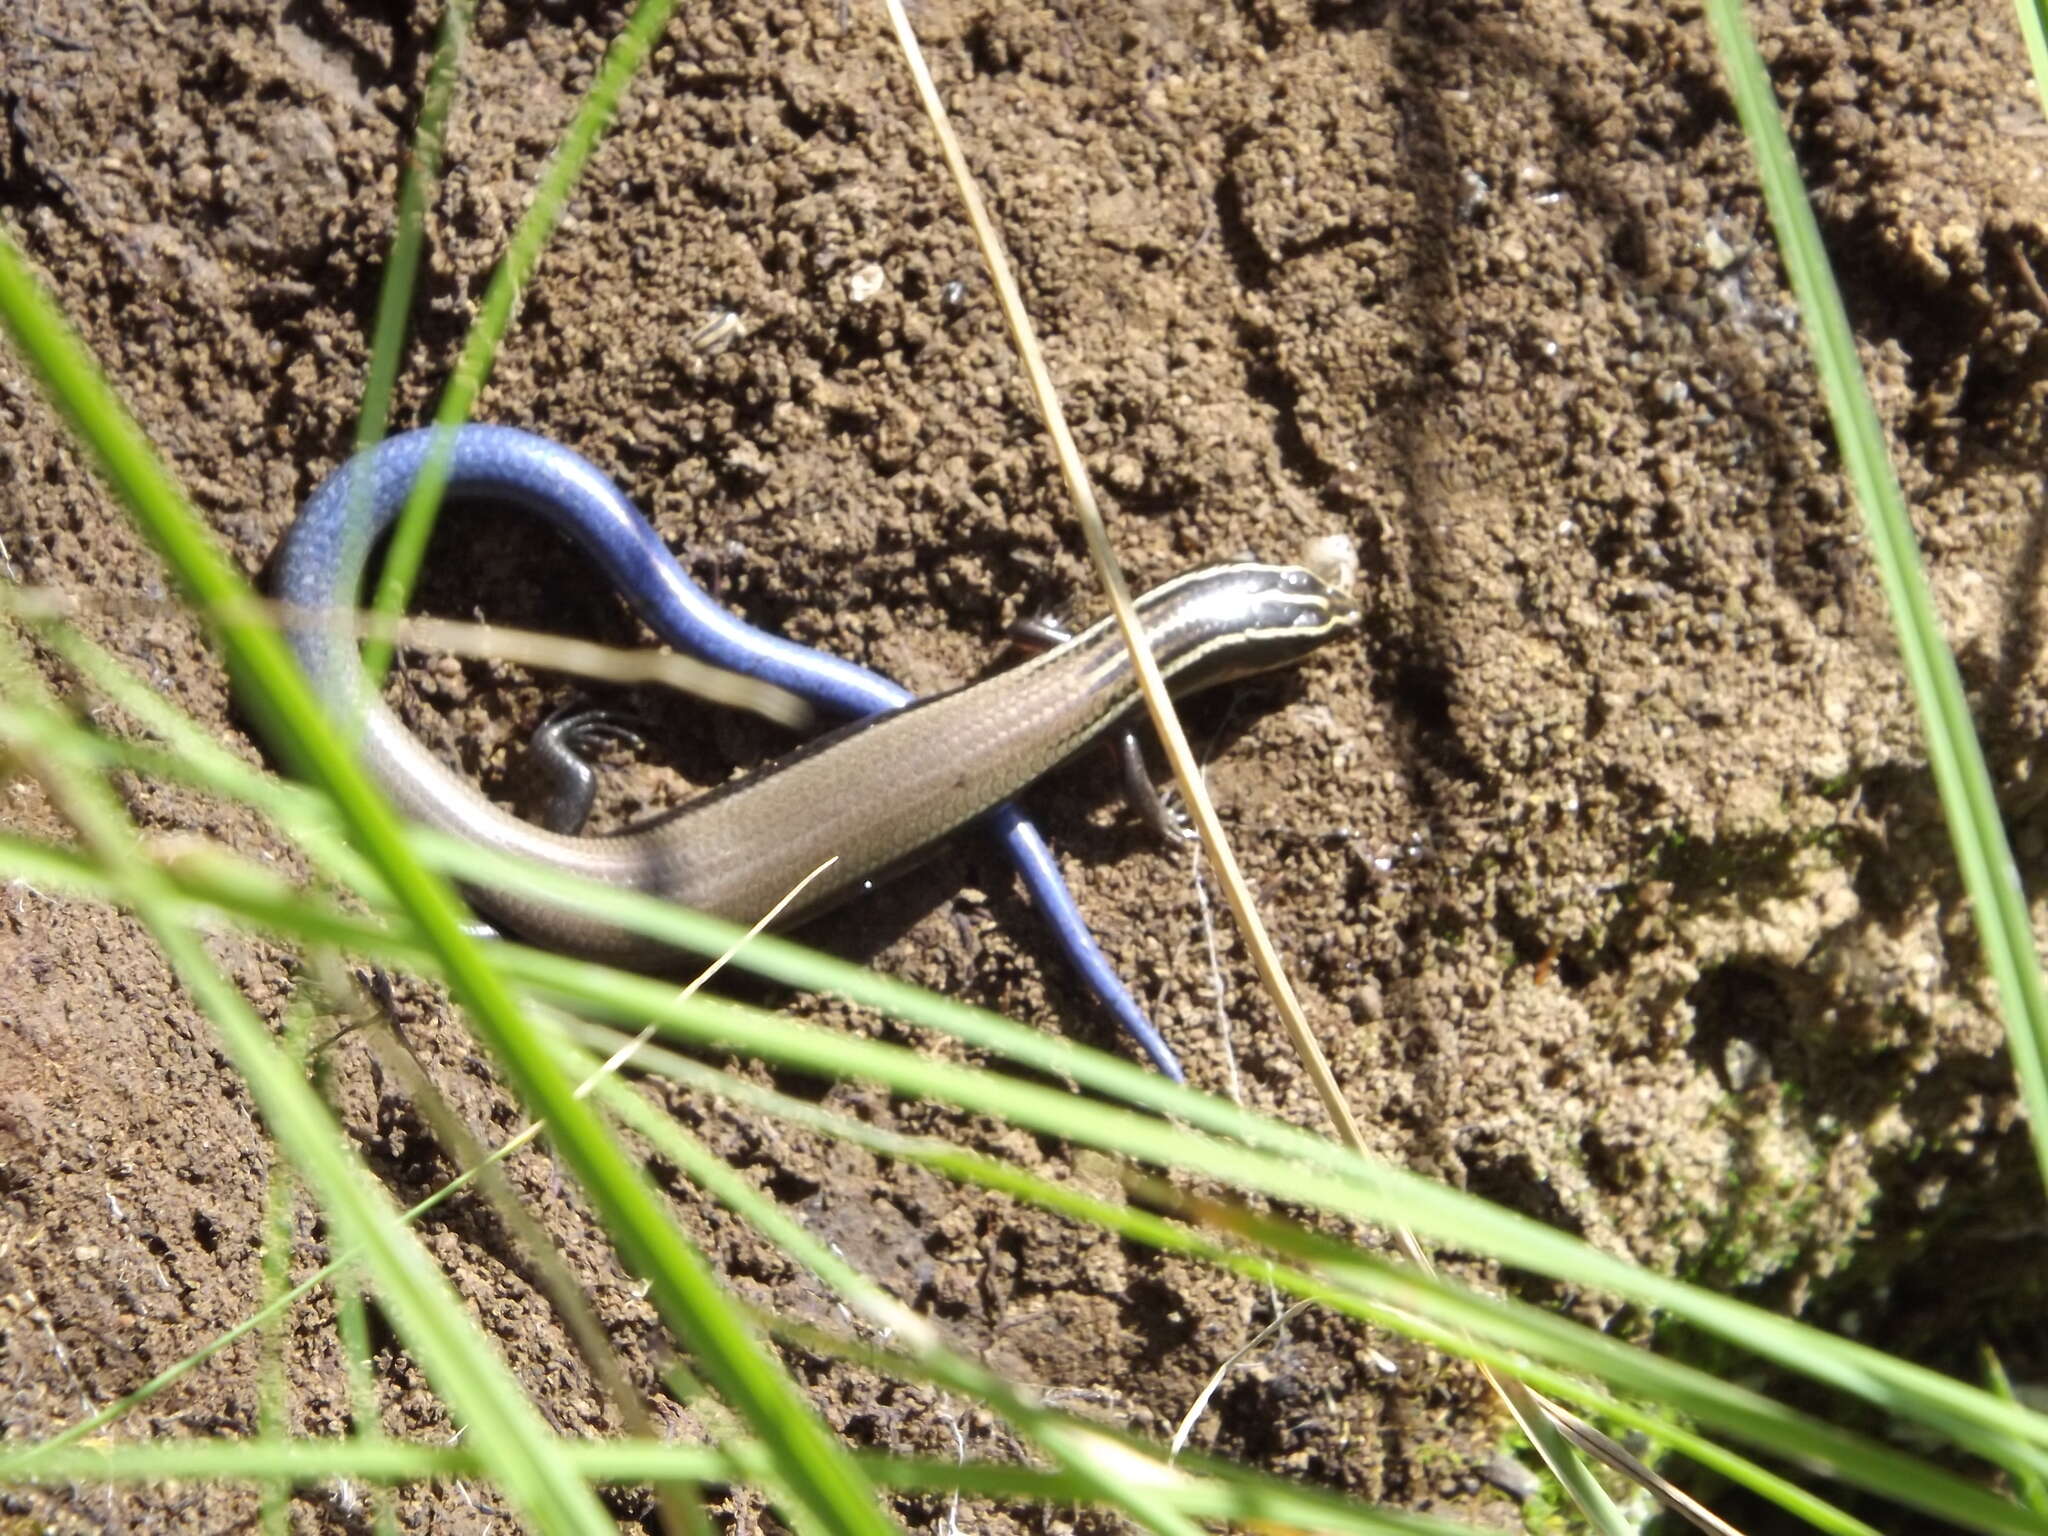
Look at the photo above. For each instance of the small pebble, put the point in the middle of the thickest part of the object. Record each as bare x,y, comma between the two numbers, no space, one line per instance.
865,281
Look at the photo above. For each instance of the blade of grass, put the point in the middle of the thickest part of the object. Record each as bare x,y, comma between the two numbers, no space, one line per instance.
352,1323
1855,1367
1968,799
2033,1487
415,194
1058,1436
688,1296
1563,1460
780,1039
547,1269
1268,1505
1432,1310
1784,1431
1284,1161
2034,28
508,1433
408,546
273,1384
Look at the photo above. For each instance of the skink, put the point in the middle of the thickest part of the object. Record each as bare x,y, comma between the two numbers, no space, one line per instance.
904,774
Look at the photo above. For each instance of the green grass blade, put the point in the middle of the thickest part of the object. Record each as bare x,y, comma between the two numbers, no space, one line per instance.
2032,1485
1968,800
1347,1185
1138,1228
408,546
506,1430
1378,1196
352,1325
273,1386
1503,1334
1572,1471
2034,28
401,268
273,1410
1269,1503
415,194
1867,1372
1055,1434
685,1292
1282,1160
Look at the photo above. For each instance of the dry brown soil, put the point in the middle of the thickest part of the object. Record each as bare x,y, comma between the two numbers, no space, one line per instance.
1606,859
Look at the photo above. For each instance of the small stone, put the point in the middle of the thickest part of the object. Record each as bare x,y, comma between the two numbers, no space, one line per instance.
1744,1065
865,281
